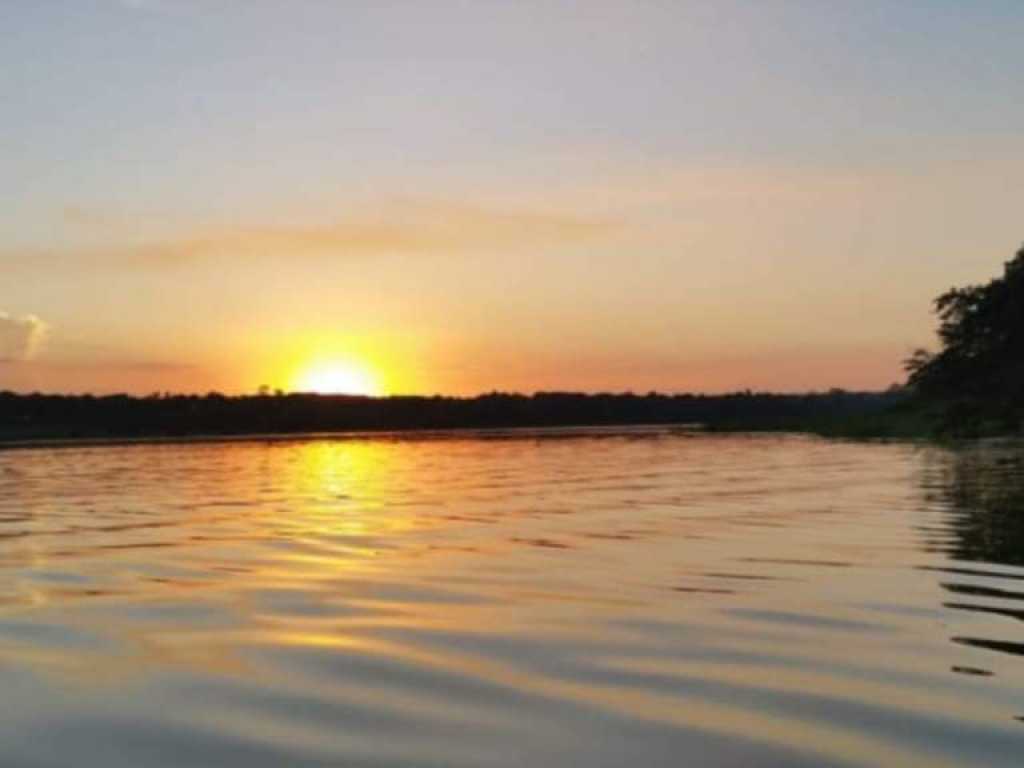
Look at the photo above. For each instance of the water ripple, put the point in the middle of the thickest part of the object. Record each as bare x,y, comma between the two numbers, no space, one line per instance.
588,598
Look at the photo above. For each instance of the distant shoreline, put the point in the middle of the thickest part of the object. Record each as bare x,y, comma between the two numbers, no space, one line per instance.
55,420
482,433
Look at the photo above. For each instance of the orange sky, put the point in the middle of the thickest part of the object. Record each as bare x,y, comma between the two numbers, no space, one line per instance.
466,198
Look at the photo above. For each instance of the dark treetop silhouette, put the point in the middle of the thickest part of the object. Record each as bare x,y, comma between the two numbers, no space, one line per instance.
975,383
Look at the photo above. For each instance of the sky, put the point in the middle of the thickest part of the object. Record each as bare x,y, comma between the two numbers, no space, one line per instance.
458,197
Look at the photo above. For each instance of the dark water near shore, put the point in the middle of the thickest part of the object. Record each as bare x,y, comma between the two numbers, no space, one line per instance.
643,598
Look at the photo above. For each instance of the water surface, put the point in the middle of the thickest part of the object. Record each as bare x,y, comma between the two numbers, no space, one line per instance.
649,597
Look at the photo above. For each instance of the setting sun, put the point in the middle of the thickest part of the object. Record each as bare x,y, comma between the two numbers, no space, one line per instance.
337,378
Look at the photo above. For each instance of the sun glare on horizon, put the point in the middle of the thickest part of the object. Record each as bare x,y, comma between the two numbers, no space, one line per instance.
337,378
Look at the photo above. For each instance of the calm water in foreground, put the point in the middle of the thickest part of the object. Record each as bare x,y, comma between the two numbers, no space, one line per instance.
644,598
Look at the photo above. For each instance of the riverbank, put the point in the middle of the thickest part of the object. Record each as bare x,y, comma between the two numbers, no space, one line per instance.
34,421
35,418
902,421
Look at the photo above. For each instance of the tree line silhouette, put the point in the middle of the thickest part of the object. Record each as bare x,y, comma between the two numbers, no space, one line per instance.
38,416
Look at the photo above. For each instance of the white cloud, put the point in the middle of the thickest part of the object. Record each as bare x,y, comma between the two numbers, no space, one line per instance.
20,337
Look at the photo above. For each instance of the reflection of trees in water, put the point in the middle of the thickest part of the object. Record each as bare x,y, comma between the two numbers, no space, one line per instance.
983,485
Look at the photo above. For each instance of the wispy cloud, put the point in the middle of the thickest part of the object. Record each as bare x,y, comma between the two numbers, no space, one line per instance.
401,228
20,337
708,215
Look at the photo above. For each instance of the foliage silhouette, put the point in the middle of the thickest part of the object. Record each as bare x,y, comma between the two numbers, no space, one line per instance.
975,383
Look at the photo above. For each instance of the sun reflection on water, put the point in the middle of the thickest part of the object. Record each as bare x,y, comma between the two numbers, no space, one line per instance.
769,592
